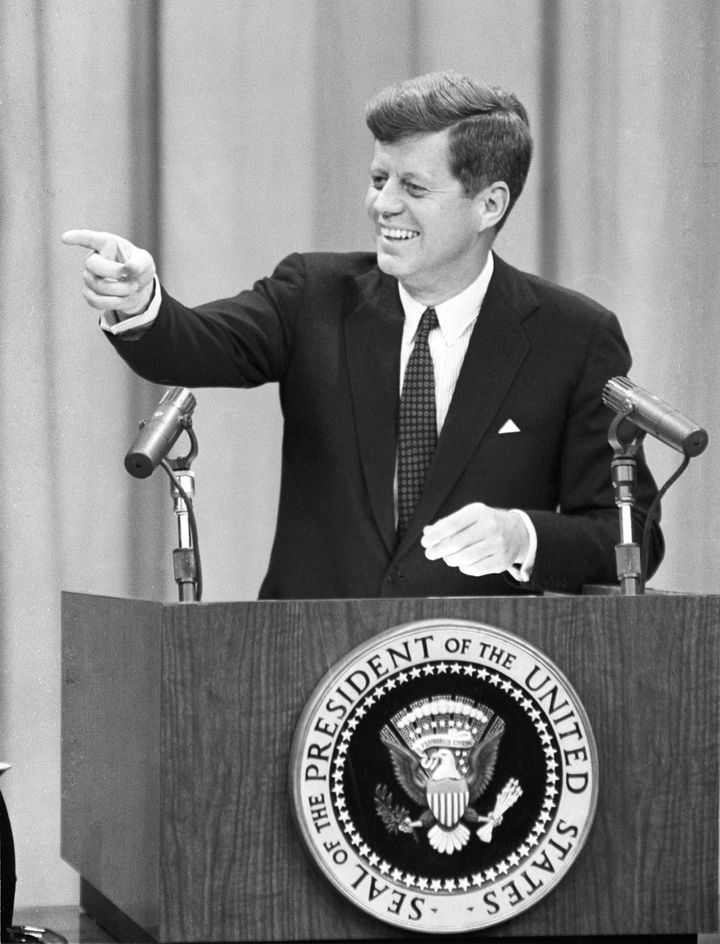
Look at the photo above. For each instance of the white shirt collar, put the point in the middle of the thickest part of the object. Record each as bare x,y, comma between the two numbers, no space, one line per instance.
456,314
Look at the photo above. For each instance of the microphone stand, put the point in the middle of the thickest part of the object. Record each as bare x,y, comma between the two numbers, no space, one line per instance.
182,491
626,443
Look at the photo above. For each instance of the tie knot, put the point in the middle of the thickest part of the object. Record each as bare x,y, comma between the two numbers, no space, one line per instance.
428,321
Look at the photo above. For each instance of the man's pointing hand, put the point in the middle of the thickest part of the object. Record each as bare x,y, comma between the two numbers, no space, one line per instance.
118,276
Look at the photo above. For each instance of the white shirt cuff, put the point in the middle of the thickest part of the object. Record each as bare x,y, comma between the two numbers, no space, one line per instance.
109,321
522,570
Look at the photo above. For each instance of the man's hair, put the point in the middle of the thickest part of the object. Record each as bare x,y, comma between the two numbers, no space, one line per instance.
489,131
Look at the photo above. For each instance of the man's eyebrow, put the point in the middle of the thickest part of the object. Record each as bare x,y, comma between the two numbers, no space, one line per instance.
417,177
407,176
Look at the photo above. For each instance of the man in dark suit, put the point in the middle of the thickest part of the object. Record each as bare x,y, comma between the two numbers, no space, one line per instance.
517,495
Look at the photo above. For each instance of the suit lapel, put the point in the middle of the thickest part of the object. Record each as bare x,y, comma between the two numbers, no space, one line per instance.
373,335
497,349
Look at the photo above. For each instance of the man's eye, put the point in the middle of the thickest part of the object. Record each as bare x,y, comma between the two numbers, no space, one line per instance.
415,190
378,182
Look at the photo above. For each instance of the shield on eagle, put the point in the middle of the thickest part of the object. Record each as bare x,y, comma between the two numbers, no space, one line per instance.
448,800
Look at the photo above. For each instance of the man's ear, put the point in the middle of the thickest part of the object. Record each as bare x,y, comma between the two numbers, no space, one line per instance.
491,204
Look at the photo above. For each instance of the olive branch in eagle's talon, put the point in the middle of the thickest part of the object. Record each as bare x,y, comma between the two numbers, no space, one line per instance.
395,818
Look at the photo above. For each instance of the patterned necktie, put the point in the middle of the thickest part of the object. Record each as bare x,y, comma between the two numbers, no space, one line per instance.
417,426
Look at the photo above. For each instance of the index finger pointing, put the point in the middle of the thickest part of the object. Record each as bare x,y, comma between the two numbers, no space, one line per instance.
106,244
89,238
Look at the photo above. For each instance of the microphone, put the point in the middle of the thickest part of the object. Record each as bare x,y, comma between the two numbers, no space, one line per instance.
654,416
158,435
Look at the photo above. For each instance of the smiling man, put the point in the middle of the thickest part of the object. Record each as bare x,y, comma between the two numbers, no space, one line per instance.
444,428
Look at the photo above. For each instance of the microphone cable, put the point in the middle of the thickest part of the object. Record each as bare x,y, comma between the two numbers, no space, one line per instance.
652,515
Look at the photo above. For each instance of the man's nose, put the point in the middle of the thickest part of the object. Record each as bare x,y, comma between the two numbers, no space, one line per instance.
388,201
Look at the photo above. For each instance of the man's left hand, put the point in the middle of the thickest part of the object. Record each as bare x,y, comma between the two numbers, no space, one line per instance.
477,540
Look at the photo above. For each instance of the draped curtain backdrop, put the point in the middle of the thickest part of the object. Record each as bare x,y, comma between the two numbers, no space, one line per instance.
222,134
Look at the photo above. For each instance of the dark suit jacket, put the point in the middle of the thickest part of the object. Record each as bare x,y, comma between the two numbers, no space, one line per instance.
327,328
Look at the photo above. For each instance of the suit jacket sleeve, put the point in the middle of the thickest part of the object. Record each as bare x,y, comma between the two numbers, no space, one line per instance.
243,341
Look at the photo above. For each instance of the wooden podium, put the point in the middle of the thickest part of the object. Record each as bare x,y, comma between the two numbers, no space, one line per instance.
177,722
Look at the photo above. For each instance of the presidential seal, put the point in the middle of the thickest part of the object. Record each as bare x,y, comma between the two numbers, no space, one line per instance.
444,776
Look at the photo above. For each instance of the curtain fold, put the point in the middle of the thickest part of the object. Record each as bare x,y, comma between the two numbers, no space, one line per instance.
632,99
77,122
223,134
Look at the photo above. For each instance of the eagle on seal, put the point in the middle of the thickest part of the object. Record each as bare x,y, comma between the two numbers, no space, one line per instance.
443,752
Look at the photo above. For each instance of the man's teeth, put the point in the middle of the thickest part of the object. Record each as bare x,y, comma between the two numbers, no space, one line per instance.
398,233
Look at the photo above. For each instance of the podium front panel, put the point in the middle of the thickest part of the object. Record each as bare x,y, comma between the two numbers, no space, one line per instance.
200,792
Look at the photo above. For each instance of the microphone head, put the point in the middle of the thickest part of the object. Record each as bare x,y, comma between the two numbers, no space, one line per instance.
616,394
643,409
158,435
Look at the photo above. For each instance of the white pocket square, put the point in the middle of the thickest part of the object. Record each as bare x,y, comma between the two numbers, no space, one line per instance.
509,426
